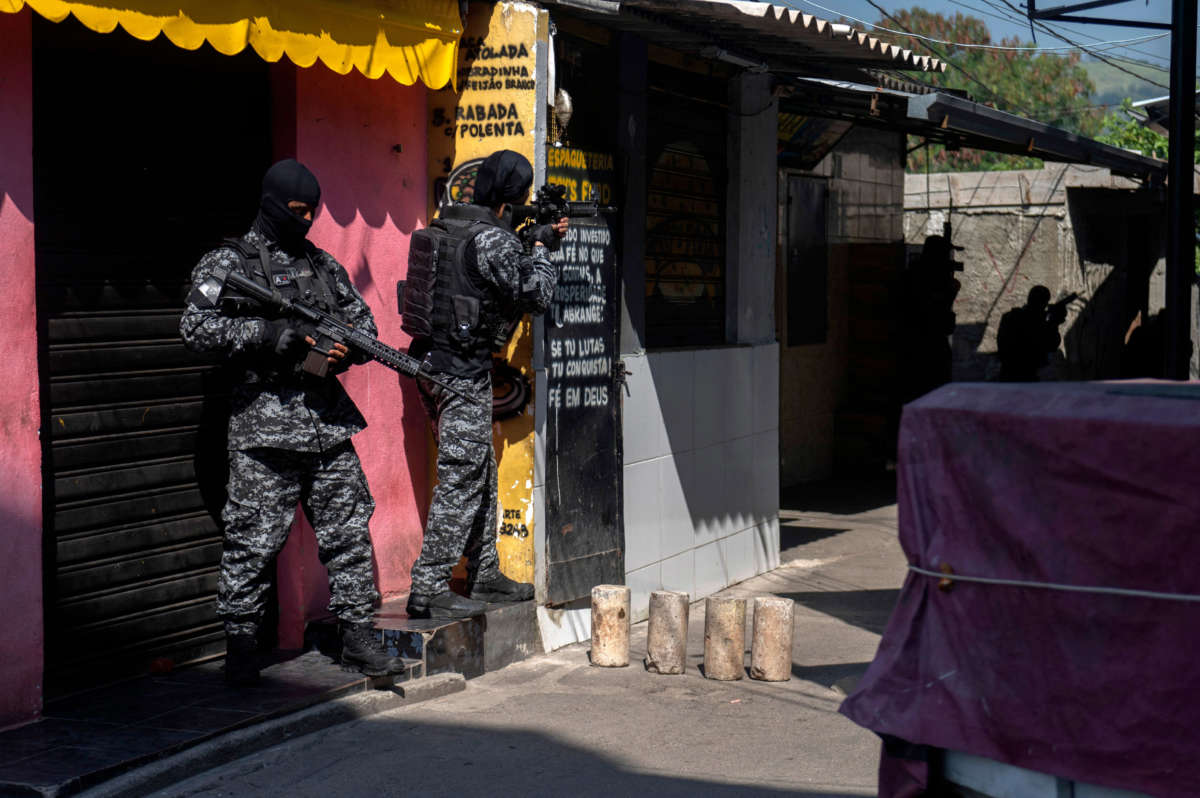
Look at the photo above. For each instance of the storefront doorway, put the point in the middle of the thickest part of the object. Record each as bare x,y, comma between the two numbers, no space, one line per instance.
145,157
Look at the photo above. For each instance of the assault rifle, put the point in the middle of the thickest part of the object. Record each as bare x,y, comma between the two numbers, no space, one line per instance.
330,330
550,204
1056,312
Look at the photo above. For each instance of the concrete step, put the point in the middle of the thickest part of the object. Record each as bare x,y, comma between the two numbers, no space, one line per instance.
507,633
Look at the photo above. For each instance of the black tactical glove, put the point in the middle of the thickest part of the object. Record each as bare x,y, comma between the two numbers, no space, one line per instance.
545,234
286,339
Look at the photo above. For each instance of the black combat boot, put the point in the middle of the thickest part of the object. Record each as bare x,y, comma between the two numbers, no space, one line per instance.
362,648
241,660
446,604
500,588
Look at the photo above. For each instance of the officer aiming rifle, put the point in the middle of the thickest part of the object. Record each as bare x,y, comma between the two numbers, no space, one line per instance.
1028,334
470,279
549,205
1056,312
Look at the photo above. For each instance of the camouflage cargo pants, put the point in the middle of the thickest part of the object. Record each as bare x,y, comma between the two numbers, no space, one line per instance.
265,485
462,516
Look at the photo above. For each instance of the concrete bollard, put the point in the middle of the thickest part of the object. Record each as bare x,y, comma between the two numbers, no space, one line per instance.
610,626
771,651
724,638
666,637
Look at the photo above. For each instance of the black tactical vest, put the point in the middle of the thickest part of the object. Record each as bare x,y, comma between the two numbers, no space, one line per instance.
448,309
301,279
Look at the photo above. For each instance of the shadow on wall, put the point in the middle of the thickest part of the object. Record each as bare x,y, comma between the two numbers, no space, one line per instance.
973,364
701,466
1119,241
416,448
16,194
16,64
1095,338
1128,241
378,182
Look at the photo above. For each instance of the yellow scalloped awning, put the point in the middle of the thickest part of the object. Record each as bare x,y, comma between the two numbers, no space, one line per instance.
410,40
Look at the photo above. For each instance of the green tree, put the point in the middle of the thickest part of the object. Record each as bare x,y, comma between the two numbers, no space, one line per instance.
1048,87
1122,129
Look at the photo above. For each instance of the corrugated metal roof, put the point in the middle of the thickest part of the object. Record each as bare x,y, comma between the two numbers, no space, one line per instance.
753,35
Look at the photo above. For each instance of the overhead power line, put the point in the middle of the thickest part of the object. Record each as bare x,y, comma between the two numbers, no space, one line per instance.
928,46
975,46
1020,19
1096,55
985,12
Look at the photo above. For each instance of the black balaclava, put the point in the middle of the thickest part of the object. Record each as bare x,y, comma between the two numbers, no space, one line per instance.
504,177
287,181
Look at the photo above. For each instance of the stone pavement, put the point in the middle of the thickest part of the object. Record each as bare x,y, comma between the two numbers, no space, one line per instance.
554,725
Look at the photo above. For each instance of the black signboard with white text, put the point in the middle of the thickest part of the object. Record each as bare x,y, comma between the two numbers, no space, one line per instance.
584,533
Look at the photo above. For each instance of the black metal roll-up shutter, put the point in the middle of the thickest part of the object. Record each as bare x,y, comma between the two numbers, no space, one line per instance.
133,424
132,417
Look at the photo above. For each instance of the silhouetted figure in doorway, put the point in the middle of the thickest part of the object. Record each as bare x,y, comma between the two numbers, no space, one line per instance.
929,290
1029,334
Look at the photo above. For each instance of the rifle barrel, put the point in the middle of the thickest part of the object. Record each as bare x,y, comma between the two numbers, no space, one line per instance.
375,349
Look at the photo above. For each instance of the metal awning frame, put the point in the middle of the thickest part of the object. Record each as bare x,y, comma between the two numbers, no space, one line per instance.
1020,135
958,122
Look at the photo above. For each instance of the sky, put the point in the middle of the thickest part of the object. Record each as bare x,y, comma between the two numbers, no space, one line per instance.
1004,22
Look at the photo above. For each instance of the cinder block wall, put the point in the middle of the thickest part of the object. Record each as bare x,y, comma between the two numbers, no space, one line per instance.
1070,228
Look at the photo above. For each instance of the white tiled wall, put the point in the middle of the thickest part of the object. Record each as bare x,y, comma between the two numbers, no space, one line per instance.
701,440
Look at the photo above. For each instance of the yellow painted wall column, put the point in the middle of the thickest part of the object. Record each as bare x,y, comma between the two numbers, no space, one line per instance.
496,108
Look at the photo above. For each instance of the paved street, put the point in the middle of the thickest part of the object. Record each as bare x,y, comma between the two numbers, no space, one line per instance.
553,725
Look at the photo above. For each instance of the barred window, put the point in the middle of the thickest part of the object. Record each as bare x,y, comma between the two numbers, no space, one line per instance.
685,221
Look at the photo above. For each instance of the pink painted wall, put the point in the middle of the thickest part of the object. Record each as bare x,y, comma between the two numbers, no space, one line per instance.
21,635
365,141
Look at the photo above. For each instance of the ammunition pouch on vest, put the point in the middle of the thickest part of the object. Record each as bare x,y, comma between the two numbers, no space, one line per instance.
300,279
445,299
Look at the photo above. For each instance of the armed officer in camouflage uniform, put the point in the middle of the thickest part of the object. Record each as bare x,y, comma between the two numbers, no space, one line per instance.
480,291
289,432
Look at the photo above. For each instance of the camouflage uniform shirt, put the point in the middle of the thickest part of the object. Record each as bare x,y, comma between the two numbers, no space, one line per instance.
524,283
269,408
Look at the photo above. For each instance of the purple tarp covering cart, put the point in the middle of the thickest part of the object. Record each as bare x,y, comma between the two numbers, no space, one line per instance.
1091,485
